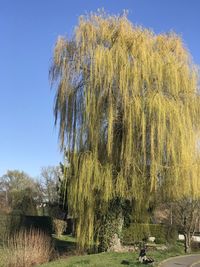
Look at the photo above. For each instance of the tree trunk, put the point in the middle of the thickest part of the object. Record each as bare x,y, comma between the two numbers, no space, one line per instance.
187,243
115,242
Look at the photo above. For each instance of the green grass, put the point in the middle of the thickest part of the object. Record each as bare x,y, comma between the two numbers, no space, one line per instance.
64,244
66,238
113,259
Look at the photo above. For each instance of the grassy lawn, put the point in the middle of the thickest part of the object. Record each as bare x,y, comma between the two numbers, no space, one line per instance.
65,244
66,248
113,259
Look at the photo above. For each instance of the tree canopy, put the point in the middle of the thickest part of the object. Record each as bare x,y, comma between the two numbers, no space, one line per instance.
127,104
19,192
49,183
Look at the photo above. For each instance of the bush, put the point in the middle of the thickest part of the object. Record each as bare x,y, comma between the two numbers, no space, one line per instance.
195,246
159,231
26,248
172,234
42,223
160,240
136,233
8,225
59,226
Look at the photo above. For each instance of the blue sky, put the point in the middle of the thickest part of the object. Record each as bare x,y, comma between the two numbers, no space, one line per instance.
28,138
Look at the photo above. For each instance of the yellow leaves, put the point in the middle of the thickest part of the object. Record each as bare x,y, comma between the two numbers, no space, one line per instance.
58,51
110,129
128,106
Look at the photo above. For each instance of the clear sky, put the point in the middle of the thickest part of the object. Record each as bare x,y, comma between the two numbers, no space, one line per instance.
28,30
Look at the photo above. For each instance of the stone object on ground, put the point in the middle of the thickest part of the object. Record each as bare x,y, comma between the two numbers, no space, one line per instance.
162,247
152,238
116,245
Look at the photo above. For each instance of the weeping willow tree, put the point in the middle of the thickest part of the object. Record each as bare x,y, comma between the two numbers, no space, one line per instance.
127,105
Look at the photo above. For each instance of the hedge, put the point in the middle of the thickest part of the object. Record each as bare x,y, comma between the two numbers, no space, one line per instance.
12,222
136,233
43,223
8,224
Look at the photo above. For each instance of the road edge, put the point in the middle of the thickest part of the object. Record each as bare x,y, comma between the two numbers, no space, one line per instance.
181,256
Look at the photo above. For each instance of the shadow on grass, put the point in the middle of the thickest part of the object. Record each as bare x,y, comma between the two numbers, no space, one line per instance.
65,245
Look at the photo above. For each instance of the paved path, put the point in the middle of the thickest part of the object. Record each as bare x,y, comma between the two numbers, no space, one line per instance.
183,261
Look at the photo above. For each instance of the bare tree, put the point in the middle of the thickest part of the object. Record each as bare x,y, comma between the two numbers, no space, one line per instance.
50,180
49,187
186,216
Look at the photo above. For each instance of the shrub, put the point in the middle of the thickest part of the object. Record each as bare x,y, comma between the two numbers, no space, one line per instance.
136,233
160,240
8,224
42,223
195,246
59,226
27,248
172,234
159,231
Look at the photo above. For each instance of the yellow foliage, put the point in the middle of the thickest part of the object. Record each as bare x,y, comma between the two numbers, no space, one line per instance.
128,107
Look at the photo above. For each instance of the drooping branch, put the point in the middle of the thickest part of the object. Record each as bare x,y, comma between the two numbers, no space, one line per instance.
127,105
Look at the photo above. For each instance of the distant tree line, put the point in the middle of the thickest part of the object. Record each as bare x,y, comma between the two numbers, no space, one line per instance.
22,194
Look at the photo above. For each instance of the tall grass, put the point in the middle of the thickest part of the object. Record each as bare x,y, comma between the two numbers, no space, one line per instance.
26,248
